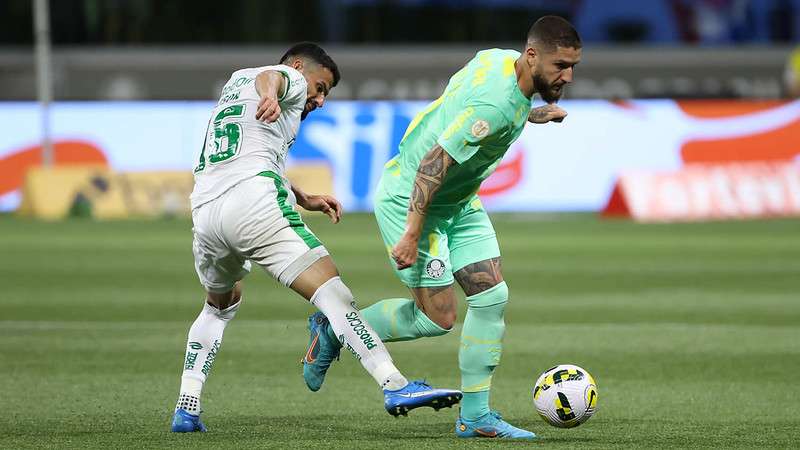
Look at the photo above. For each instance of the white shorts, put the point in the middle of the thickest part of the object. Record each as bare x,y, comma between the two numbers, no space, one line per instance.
253,221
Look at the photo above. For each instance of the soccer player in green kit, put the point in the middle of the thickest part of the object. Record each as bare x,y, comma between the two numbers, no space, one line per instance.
434,225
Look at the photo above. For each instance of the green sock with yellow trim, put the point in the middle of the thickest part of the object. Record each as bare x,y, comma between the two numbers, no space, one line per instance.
399,319
481,346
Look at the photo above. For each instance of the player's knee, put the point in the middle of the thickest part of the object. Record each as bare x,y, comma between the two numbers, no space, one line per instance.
237,292
225,300
332,288
226,313
444,321
310,278
496,298
435,321
435,309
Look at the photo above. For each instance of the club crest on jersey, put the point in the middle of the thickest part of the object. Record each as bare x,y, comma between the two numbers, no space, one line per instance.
480,129
435,268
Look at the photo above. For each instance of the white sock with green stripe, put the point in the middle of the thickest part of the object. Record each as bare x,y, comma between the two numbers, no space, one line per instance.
335,300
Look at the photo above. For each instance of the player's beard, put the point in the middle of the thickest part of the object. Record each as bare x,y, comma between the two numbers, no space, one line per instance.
549,93
307,109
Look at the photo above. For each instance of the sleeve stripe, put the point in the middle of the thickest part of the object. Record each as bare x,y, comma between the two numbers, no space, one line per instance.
458,157
286,89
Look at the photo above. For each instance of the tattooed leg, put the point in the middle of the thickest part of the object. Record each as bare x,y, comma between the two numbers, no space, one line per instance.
480,276
438,303
431,313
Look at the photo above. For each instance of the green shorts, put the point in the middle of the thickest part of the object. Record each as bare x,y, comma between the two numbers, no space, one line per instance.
447,245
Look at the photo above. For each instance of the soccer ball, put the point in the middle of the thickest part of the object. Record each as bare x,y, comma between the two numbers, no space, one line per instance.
565,396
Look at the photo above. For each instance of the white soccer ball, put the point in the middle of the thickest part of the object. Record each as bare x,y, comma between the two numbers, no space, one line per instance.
565,396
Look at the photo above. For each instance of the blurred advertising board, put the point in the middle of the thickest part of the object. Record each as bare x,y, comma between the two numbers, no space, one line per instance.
94,190
571,166
98,192
698,192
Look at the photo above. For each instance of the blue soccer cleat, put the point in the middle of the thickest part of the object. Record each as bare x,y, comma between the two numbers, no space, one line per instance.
417,394
183,422
490,425
322,350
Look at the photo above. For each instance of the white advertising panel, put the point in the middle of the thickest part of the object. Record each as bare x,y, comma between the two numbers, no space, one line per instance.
569,166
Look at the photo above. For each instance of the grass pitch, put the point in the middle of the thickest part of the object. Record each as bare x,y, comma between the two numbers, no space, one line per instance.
691,331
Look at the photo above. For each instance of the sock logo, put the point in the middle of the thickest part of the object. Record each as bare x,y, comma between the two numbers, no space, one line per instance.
352,350
195,345
359,329
191,357
210,357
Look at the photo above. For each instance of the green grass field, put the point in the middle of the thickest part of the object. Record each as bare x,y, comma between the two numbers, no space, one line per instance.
691,331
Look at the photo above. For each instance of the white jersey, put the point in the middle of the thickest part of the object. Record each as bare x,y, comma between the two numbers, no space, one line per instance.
237,146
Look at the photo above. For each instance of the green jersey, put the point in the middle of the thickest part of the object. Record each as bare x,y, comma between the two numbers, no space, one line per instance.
480,114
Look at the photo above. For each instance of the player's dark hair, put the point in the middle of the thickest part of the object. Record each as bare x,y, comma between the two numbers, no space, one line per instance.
550,32
315,53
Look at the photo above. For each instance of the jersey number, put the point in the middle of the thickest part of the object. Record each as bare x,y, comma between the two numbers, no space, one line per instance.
227,137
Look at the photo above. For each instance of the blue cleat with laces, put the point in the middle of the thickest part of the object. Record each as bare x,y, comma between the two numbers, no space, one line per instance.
490,425
183,422
322,350
417,394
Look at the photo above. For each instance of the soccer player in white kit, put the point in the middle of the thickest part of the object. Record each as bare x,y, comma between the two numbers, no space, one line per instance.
243,212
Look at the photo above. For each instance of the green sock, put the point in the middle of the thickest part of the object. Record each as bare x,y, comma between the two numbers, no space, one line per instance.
398,319
474,404
481,346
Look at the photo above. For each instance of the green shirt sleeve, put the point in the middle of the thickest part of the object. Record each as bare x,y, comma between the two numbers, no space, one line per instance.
471,127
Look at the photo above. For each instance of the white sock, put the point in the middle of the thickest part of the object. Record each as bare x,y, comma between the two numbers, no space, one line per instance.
205,339
391,378
335,300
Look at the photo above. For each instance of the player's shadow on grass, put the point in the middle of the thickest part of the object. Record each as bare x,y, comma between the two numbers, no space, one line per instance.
405,429
345,427
570,439
352,427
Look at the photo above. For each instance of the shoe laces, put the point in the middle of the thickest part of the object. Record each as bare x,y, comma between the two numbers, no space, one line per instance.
422,383
496,414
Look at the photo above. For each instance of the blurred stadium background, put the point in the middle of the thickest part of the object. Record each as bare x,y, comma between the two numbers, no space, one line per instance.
683,112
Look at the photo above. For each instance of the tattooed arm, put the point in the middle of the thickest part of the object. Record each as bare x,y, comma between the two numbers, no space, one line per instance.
546,113
430,176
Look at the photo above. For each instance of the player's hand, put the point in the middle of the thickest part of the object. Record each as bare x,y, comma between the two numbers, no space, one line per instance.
405,252
268,109
324,203
547,113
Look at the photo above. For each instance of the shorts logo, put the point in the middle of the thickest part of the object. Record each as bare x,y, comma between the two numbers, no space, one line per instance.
435,268
480,129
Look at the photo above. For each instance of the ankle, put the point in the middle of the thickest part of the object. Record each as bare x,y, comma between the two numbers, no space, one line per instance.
189,403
